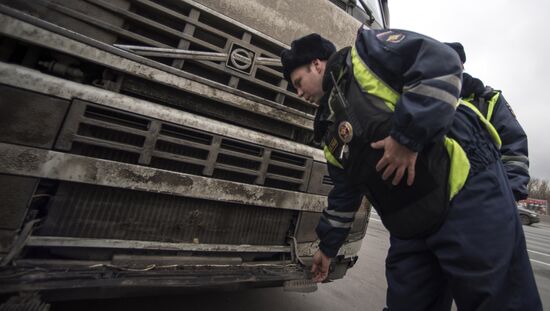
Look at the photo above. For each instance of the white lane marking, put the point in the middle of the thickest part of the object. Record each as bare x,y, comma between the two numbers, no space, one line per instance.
540,262
375,219
544,254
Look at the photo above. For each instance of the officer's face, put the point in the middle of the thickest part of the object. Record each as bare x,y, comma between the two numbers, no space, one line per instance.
308,81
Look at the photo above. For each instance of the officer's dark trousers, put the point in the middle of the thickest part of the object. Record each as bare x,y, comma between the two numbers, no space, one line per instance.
478,257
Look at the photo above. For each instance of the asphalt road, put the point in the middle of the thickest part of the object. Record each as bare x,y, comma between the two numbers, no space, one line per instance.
538,246
362,289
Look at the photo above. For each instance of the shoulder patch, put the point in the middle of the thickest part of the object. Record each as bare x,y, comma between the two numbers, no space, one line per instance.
391,36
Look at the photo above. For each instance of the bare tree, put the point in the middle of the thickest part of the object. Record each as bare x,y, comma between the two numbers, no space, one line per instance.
533,186
539,189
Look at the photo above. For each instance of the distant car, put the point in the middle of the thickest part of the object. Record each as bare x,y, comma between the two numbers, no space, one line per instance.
527,217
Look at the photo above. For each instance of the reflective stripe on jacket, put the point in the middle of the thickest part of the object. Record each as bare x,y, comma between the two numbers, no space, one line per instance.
514,149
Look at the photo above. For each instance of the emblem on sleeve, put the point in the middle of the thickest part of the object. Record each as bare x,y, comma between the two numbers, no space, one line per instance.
395,38
345,131
390,36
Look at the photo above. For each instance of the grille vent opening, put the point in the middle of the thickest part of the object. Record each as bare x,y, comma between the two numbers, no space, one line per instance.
181,150
281,184
185,134
267,77
241,147
284,171
238,162
287,158
105,153
115,117
255,89
327,180
206,72
110,135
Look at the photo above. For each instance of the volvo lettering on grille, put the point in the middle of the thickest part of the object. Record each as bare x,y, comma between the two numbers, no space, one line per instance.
241,59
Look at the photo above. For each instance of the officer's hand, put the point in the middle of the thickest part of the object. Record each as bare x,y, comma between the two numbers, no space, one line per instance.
397,158
320,267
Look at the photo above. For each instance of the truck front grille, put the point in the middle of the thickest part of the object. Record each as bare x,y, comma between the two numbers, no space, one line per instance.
102,132
86,211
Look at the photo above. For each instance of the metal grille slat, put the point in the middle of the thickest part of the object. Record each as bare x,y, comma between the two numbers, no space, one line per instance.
153,24
236,169
183,141
288,165
182,17
107,144
105,26
177,157
284,178
112,126
240,155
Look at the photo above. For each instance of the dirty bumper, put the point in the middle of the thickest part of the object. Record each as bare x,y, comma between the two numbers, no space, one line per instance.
99,275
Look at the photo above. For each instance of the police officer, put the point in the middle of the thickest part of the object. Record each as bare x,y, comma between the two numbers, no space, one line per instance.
496,109
392,130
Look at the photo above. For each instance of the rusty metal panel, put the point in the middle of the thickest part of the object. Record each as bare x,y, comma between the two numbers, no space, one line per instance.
29,118
15,193
320,182
108,213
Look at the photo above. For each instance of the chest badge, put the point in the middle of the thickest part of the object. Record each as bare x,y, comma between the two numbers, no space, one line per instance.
345,132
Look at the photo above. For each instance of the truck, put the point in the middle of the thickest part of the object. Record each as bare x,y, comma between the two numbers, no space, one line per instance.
154,146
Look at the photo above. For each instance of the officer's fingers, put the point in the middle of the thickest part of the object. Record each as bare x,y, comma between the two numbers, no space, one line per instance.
318,278
410,175
388,171
378,144
398,175
324,268
382,163
317,268
315,278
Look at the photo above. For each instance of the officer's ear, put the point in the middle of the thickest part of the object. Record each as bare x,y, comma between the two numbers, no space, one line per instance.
318,65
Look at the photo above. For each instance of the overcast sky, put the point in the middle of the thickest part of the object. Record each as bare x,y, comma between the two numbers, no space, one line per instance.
507,46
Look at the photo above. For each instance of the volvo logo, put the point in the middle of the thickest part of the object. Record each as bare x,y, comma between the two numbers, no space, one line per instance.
240,59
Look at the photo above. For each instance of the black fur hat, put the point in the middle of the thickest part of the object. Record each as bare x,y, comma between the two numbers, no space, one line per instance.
303,51
459,49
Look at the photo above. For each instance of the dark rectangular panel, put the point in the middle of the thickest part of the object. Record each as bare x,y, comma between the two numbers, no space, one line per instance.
28,118
15,194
